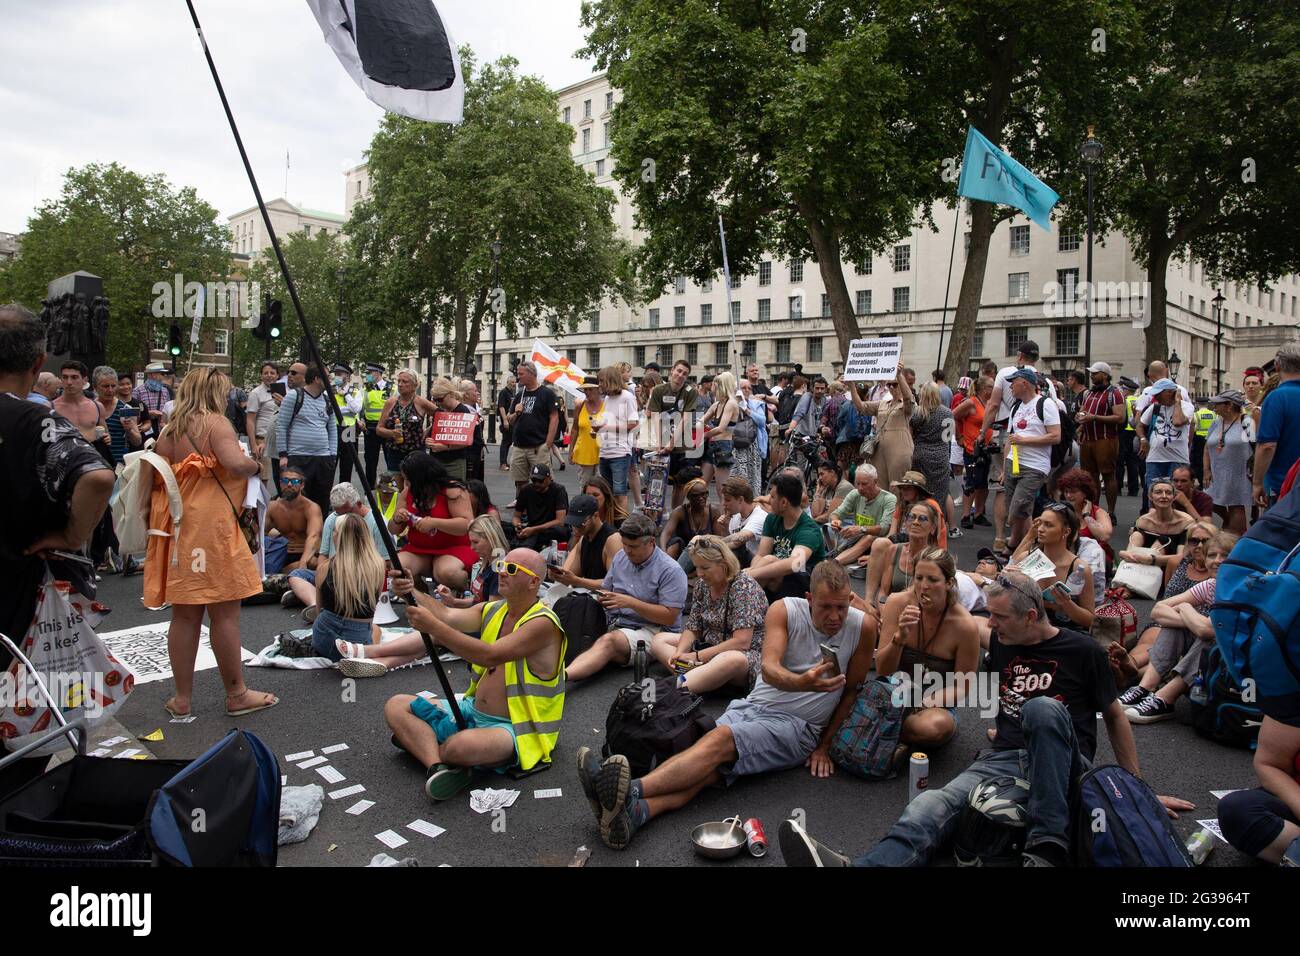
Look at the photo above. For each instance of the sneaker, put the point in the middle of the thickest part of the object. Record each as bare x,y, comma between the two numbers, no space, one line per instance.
361,667
1133,695
588,771
617,830
858,571
954,532
310,613
799,849
445,781
611,785
1149,710
982,521
967,523
289,599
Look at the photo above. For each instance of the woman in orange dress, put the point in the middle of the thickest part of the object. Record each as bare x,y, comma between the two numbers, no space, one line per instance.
207,566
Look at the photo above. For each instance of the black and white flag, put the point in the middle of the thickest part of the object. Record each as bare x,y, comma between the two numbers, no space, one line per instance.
399,52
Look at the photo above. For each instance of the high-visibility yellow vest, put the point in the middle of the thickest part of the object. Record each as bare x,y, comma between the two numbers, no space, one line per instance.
535,706
375,399
1131,402
1204,419
348,418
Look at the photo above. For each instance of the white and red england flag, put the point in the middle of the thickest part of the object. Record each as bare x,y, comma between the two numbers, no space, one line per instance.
554,369
399,52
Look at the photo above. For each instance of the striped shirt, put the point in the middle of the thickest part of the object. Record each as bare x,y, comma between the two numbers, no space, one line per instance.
314,434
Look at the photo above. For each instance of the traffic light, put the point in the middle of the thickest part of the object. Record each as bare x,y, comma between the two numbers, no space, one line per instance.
174,340
275,320
426,340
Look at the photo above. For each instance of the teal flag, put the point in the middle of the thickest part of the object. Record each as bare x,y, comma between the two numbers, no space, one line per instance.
988,173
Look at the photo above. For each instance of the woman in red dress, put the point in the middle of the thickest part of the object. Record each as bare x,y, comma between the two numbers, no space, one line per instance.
437,510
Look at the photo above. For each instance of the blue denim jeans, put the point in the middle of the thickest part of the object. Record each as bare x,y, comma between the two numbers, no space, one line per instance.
1050,761
615,471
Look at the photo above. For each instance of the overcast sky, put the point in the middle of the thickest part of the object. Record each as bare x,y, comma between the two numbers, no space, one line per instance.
93,81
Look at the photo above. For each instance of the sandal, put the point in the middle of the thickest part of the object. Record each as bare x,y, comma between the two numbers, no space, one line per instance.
271,701
350,650
171,709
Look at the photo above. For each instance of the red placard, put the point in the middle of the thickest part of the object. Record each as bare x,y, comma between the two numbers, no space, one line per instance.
454,428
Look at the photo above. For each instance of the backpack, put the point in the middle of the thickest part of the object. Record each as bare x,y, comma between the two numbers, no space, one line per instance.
1062,448
1256,613
133,501
851,423
785,406
864,744
1224,717
650,721
583,620
1119,822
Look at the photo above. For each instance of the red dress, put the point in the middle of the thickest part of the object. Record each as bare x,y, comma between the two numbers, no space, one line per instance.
1086,532
438,543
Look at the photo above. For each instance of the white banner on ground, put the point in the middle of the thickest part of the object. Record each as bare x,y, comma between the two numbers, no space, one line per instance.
873,360
144,650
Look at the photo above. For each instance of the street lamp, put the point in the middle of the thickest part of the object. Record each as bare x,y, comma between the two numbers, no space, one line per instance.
1174,363
496,314
341,275
1090,153
1218,341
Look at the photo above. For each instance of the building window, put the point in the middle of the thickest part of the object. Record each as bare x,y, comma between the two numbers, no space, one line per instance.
735,282
706,285
586,140
977,344
679,285
692,353
600,167
220,342
796,270
863,268
1067,240
593,360
706,313
749,350
796,307
594,320
765,273
783,351
570,354
568,118
554,324
719,353
1020,240
764,310
1067,280
1015,339
735,312
638,356
606,134
864,302
664,356
609,102
1067,340
586,109
654,318
1018,287
306,229
814,350
679,316
902,258
902,298
826,305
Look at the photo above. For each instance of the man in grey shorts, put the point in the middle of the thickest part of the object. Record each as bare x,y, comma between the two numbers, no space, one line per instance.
788,719
1030,437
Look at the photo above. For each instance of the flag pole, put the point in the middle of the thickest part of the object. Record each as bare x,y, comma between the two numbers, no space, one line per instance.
726,277
947,286
315,355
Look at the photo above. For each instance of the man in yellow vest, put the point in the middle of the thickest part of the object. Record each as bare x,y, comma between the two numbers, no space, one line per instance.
376,394
1130,464
516,698
1203,419
349,399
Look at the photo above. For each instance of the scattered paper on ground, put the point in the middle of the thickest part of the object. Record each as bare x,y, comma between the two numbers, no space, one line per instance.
333,750
112,741
547,794
330,774
1220,794
1213,827
144,650
485,801
347,791
101,752
391,840
187,719
294,758
313,762
360,807
126,753
426,828
155,736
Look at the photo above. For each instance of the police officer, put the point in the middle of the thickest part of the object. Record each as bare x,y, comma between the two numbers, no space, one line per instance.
1130,464
376,395
350,402
1203,419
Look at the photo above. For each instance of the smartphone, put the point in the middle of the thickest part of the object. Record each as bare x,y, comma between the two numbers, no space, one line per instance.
829,657
129,413
278,388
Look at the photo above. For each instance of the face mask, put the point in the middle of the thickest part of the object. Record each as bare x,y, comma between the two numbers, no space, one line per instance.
153,385
338,381
370,380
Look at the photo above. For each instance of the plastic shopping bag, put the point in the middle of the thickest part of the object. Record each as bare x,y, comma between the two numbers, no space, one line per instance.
80,673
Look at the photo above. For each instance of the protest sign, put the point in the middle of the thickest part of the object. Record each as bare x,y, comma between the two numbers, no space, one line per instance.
454,428
873,360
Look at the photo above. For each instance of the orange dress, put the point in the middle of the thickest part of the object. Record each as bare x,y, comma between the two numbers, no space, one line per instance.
213,562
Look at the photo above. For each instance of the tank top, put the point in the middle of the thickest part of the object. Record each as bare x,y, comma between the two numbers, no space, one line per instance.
1086,532
439,542
901,580
325,599
586,448
408,419
591,562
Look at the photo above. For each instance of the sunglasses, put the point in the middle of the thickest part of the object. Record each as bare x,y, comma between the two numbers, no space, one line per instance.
1007,582
510,569
291,481
922,518
1198,540
1060,507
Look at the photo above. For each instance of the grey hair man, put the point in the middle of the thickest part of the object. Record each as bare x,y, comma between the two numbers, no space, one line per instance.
344,500
534,421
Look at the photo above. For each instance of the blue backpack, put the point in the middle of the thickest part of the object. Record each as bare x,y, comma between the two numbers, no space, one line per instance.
1119,822
1225,717
864,744
851,424
1256,611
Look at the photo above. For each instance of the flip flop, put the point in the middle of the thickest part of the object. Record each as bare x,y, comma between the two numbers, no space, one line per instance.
249,710
176,713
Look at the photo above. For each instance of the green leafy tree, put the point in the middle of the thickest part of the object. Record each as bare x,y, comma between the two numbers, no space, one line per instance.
131,230
439,196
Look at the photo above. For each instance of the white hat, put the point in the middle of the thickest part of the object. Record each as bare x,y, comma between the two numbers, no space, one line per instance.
1101,367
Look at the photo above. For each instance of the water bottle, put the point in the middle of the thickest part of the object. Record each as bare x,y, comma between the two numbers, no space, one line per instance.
1197,694
1200,845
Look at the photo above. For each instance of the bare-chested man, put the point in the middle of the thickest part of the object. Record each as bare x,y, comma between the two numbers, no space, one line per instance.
75,406
516,699
298,520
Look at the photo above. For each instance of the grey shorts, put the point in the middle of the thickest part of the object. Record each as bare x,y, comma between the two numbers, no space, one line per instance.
766,739
1177,651
1022,490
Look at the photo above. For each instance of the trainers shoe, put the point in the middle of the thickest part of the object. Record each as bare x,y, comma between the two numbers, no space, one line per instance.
361,667
445,781
954,532
611,785
857,571
799,849
1133,695
617,830
289,599
982,521
967,523
1149,710
588,771
310,613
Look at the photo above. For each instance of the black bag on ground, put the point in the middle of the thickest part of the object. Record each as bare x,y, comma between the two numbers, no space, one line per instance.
1225,717
1119,822
583,620
650,721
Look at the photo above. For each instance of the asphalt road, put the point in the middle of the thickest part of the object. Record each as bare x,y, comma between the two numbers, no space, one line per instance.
315,712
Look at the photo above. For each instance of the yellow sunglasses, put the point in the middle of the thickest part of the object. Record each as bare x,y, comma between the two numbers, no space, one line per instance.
502,566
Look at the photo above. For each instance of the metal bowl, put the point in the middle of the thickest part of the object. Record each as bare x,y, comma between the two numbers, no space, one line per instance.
718,841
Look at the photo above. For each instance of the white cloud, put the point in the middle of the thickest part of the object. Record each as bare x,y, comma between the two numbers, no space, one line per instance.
87,81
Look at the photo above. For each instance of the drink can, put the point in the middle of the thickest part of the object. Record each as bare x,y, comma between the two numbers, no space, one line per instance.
918,775
755,838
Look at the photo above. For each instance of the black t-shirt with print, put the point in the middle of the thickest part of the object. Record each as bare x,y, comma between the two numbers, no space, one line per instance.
1071,667
530,427
539,507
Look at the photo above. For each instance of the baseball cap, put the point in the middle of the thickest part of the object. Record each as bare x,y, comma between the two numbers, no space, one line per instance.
539,471
1164,385
1028,374
988,554
1029,348
1101,367
581,507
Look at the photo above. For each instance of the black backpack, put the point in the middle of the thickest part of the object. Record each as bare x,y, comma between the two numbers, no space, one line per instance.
650,721
583,619
1225,717
786,403
1068,428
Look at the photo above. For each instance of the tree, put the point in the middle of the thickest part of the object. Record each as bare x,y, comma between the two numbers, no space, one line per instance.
790,120
131,230
1200,119
440,194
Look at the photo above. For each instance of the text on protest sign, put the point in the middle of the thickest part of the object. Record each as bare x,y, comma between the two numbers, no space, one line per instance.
454,427
873,360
